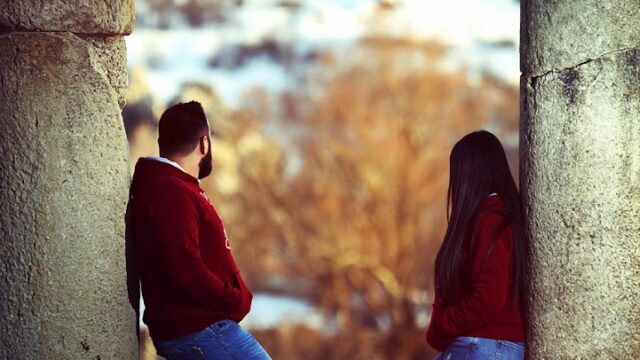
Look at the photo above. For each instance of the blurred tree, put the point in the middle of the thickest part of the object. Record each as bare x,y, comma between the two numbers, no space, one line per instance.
356,227
164,14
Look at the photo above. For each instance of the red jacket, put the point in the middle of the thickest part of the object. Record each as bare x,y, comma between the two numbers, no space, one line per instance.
188,275
484,311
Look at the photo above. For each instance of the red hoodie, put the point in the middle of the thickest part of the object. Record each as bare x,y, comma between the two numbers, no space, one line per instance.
484,311
188,275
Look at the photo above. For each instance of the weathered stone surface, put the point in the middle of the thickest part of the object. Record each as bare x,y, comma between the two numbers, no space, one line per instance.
63,191
558,34
580,156
77,16
110,58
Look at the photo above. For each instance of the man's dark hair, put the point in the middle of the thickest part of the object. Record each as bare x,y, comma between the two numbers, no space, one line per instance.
180,128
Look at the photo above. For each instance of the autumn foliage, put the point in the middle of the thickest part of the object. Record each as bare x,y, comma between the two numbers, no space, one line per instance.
335,192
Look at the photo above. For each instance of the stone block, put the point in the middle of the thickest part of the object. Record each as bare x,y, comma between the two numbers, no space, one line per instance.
558,34
112,17
580,156
64,179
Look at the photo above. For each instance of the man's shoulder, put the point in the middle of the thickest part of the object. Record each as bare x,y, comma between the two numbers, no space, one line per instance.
164,187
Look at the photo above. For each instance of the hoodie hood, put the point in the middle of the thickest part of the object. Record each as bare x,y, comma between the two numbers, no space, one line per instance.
148,169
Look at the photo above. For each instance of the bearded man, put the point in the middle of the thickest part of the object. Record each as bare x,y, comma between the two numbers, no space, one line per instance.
193,292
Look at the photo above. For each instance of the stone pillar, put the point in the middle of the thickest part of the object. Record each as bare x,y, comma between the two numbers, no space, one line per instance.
580,176
63,180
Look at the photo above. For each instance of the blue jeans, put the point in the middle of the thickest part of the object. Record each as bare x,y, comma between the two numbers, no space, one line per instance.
477,348
223,340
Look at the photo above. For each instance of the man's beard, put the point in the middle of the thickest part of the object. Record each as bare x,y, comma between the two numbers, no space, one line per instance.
206,163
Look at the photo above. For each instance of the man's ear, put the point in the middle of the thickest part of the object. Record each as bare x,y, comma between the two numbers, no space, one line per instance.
204,144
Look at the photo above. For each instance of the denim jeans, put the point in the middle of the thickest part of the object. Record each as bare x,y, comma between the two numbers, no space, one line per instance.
223,340
477,348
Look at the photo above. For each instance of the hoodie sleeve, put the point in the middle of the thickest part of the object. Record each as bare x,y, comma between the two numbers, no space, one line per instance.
175,217
490,269
435,338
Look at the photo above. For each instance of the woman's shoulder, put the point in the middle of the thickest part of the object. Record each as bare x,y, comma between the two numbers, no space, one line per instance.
492,206
492,200
492,213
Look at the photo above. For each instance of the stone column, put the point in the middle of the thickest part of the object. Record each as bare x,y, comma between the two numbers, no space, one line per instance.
63,179
580,176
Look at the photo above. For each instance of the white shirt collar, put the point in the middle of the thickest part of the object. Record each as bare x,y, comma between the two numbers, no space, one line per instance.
167,161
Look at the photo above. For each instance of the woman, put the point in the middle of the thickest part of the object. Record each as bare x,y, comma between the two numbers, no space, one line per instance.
480,268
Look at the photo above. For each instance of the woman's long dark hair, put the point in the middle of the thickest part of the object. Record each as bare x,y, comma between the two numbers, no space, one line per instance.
478,167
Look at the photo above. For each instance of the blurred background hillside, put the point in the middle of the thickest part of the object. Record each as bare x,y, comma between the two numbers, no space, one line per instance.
333,123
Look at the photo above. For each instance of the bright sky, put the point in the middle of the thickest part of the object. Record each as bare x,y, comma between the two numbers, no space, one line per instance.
469,26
